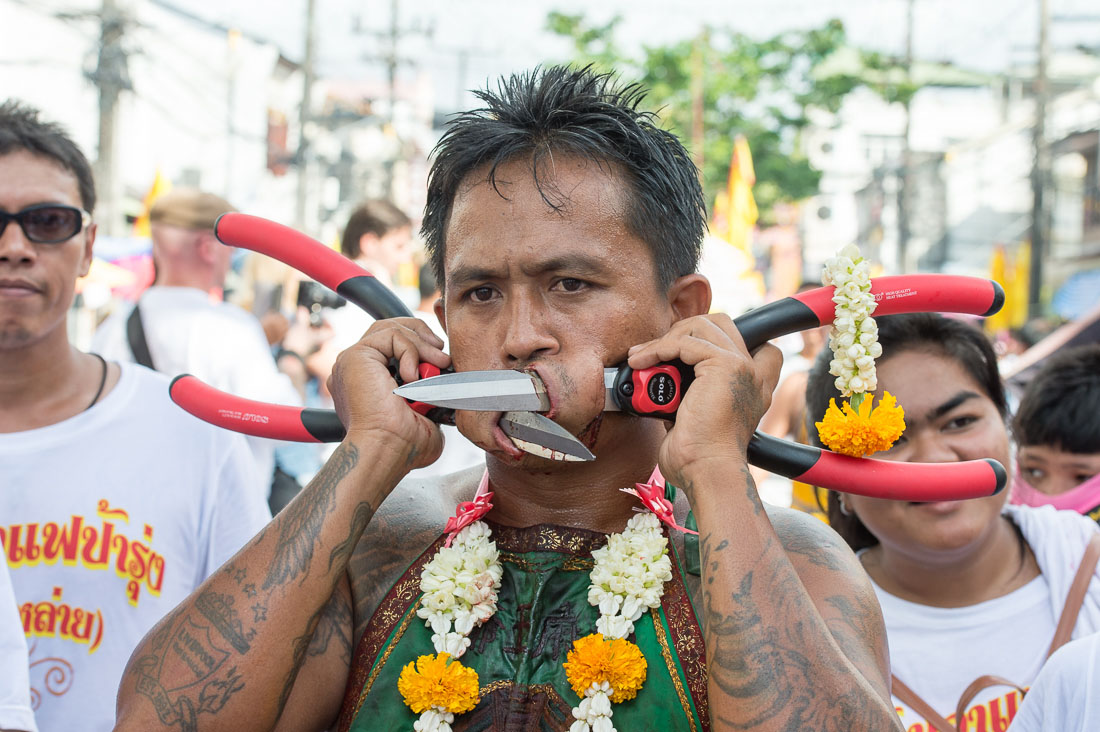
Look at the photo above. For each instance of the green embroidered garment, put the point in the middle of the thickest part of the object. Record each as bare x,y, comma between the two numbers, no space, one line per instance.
542,608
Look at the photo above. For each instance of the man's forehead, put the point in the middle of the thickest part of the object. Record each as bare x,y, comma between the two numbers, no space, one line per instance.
37,178
558,179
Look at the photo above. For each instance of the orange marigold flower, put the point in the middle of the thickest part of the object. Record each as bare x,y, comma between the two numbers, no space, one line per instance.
438,682
864,430
595,660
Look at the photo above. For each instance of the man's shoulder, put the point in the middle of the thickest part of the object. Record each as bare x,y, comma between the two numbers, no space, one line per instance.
403,527
807,539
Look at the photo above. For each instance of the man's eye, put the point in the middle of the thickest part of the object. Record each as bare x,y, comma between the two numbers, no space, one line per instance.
1034,474
571,284
481,294
1082,477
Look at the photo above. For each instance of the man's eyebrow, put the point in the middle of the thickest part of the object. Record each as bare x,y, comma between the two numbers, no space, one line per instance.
961,397
463,274
576,263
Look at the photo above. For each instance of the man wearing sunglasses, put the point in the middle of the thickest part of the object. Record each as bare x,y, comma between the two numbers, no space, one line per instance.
114,504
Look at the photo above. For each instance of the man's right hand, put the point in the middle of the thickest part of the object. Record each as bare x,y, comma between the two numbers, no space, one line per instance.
362,389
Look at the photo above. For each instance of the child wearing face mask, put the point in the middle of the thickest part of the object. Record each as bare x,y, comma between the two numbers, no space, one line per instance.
1057,429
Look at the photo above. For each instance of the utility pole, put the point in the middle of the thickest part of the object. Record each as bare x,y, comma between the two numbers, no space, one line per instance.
906,151
111,78
233,38
392,59
1041,171
304,119
697,99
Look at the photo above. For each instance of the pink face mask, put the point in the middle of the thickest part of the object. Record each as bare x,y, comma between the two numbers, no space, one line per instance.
1081,499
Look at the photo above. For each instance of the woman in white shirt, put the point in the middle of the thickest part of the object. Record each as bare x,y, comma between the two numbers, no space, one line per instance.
971,591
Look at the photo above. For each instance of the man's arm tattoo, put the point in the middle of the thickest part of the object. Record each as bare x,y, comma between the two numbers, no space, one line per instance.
761,659
194,648
304,519
335,626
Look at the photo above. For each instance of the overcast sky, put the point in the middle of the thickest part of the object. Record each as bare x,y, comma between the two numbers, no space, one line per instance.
463,44
498,36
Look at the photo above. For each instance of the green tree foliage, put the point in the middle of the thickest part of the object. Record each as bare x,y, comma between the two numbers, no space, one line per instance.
762,89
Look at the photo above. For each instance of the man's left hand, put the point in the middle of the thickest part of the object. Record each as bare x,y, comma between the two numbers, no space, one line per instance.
723,406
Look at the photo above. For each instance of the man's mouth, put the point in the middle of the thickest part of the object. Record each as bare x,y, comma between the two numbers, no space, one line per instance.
540,385
17,288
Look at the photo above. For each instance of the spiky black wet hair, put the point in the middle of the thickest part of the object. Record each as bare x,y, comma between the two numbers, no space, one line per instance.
563,110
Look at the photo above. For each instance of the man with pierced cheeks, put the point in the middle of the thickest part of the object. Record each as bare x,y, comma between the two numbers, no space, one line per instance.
565,228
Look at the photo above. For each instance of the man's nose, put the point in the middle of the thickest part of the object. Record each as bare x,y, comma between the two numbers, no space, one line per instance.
14,245
527,334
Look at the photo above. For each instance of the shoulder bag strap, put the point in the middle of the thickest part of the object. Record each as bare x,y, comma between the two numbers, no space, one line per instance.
135,334
977,685
1076,595
920,706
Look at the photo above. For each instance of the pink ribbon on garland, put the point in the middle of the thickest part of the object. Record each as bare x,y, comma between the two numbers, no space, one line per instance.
470,511
652,496
650,493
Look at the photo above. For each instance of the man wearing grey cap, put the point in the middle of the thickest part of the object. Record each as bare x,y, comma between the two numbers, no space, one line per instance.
181,326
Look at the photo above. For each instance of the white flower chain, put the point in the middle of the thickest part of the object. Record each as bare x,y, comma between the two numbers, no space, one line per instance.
854,334
630,575
628,579
594,712
460,586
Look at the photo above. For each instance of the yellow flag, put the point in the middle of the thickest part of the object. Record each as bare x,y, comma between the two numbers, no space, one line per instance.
1018,292
161,185
740,206
997,271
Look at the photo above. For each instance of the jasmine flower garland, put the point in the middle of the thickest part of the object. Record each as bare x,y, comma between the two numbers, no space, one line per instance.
857,429
853,337
628,579
460,586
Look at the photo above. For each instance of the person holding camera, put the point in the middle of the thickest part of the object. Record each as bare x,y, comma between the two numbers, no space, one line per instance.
181,325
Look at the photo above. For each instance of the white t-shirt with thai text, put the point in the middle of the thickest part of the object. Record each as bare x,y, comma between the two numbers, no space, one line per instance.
108,520
938,652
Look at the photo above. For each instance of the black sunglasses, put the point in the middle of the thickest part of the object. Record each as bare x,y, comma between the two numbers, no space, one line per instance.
47,223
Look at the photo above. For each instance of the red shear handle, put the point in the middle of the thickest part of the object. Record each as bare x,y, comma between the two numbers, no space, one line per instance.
896,294
877,478
917,293
906,481
250,417
652,392
427,370
311,257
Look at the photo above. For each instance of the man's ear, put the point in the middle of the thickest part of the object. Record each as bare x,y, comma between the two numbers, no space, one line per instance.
439,313
689,296
87,254
209,247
